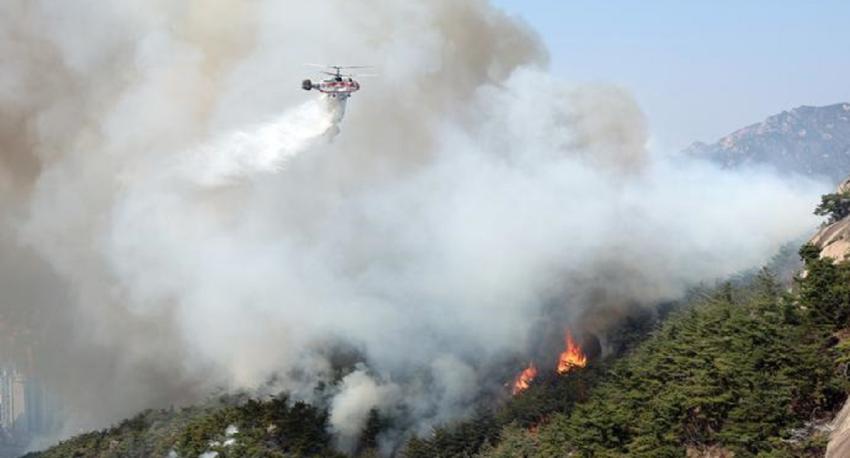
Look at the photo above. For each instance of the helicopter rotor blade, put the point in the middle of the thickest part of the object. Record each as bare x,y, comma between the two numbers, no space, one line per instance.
338,67
336,70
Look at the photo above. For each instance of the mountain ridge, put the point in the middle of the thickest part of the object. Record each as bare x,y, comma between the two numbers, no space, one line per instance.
808,140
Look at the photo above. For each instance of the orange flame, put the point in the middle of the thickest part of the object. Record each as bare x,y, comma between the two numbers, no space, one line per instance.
524,379
572,357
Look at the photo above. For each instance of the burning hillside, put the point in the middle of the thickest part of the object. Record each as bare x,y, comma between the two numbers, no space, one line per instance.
524,379
573,357
202,234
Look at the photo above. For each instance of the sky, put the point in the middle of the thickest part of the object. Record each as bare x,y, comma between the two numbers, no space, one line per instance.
700,70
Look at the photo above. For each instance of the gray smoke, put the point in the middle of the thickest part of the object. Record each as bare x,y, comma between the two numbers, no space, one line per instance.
184,228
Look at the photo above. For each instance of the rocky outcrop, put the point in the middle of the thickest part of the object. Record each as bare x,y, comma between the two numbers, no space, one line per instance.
834,239
839,438
834,242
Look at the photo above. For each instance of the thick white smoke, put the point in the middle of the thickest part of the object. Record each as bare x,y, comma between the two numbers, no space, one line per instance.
466,190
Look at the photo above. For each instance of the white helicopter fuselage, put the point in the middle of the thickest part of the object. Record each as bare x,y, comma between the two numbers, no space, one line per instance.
340,88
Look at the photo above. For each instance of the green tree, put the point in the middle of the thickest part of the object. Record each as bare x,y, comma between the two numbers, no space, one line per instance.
834,206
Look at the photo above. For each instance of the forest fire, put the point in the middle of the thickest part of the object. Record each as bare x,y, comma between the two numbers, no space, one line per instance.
524,379
572,357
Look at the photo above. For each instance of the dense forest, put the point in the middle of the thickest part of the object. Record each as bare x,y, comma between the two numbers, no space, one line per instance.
231,427
748,367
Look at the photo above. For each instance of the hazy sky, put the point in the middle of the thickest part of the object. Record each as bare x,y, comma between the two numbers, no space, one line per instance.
700,69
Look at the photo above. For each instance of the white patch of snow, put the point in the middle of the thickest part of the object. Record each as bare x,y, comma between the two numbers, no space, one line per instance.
231,430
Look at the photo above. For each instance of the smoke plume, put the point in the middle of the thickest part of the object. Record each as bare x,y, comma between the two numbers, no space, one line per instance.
263,148
181,225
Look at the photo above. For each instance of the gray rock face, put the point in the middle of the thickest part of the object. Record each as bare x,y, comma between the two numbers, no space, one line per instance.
839,438
812,141
834,240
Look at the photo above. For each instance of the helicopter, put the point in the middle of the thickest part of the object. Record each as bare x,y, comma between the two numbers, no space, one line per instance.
339,86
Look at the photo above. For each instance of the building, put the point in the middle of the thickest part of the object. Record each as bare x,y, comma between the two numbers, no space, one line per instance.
22,404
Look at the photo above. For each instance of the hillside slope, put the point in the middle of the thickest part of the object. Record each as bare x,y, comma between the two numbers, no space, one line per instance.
833,242
230,427
813,141
748,370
